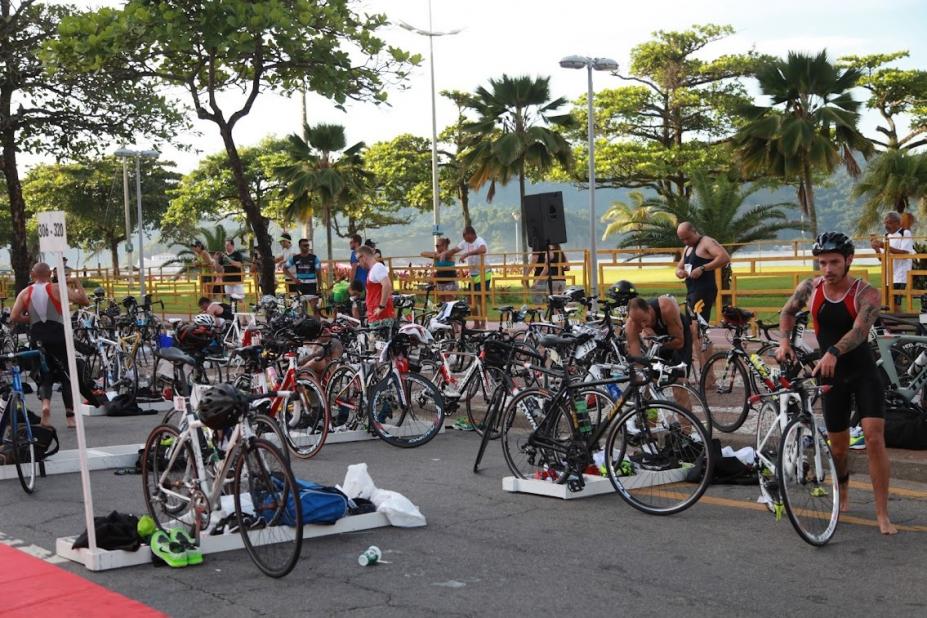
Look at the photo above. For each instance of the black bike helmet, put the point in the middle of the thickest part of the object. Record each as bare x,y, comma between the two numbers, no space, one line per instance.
221,406
308,328
576,293
622,292
833,242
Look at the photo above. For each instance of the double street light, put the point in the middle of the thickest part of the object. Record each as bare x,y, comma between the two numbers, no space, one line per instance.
124,154
591,64
431,34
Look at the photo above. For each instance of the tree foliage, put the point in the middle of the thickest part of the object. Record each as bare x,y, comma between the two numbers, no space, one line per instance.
46,109
891,181
231,51
811,125
91,195
673,116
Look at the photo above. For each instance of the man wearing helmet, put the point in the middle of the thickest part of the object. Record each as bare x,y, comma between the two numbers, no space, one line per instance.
844,310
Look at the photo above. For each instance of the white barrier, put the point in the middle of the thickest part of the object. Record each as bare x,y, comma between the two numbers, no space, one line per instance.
98,458
595,485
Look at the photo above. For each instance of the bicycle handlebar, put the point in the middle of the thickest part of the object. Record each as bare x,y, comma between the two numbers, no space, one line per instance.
26,354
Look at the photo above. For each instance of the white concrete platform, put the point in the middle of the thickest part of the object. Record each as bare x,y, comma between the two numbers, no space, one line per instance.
99,458
595,485
103,560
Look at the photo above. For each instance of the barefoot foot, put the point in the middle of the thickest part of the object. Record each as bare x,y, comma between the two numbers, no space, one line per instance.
886,526
844,498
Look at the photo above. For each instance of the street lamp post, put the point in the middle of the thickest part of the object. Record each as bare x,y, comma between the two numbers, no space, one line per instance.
431,34
590,64
517,217
125,153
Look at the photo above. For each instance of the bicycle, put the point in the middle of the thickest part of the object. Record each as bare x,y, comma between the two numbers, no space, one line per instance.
730,377
15,429
182,487
649,445
794,464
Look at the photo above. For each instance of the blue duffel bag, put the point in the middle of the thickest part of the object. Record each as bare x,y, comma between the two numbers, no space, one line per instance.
320,504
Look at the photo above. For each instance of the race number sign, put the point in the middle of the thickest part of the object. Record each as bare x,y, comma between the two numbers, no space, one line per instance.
53,235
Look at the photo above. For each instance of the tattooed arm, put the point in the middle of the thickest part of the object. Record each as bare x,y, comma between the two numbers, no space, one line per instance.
795,304
868,304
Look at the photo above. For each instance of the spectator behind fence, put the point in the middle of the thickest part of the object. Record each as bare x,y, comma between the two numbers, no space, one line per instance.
286,252
900,243
218,269
445,272
555,268
233,263
358,272
472,249
201,267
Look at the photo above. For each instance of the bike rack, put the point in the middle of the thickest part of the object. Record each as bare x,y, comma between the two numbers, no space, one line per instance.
595,485
67,462
104,560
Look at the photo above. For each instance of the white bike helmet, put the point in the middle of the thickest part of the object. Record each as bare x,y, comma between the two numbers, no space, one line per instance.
204,319
417,332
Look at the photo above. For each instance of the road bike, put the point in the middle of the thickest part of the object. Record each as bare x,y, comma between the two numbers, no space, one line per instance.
15,429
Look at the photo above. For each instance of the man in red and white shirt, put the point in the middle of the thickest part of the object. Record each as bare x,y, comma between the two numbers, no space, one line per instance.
379,288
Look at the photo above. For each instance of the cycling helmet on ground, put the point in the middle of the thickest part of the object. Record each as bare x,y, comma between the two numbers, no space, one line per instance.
833,242
622,292
221,406
204,319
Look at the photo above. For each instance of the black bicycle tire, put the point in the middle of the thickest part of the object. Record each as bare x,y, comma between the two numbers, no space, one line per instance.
392,440
704,482
739,367
19,409
783,487
148,455
360,408
299,452
290,482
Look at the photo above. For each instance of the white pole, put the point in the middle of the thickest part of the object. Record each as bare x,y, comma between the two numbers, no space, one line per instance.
75,396
593,262
125,195
436,202
141,248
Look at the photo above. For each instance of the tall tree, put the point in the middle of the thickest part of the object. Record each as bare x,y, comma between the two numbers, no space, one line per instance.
90,193
514,133
674,116
47,110
811,126
324,170
718,208
891,180
210,191
224,53
454,138
893,93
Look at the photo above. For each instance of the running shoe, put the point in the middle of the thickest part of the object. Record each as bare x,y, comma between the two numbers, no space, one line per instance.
462,424
857,439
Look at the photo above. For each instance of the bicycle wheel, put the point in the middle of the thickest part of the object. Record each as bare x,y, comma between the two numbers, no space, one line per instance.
479,393
408,424
267,428
169,478
344,397
725,387
768,437
690,399
649,453
23,446
267,508
808,482
306,419
534,446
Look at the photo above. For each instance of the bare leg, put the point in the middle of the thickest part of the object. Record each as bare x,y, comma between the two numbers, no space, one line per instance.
879,467
840,447
46,412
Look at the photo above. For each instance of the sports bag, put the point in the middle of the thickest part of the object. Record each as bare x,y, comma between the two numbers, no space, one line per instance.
905,428
320,504
194,337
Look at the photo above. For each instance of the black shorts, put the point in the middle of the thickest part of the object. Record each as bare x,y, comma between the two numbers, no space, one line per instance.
701,302
308,289
683,354
865,387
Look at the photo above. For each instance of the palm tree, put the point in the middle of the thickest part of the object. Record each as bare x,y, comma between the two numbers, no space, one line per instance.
892,180
810,126
718,210
512,134
631,216
322,170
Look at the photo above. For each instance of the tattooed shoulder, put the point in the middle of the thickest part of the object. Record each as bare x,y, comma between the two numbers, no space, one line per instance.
800,297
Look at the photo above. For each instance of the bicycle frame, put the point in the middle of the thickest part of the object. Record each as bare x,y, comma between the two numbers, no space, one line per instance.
918,381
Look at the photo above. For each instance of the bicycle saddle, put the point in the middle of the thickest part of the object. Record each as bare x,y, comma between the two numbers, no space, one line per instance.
250,351
505,309
736,315
564,341
428,287
176,356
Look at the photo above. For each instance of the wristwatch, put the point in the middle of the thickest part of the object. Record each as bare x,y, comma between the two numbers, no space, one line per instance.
833,350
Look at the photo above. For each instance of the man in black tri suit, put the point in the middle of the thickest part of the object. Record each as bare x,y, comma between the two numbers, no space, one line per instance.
843,310
700,259
660,316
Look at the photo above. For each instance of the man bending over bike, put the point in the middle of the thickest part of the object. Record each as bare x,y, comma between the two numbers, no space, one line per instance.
843,310
660,317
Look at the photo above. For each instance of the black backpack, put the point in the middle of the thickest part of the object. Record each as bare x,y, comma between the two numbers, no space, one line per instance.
46,442
905,428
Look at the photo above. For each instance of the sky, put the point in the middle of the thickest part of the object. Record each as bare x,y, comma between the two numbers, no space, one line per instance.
530,36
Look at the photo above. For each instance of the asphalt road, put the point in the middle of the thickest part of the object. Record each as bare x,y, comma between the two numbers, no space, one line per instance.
487,552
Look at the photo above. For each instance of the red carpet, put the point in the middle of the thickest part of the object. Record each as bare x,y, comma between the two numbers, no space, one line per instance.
33,587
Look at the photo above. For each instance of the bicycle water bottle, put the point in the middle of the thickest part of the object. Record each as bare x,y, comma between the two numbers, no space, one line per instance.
582,415
614,391
759,365
918,363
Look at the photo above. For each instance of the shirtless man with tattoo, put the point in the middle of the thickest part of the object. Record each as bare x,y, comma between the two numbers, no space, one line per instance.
843,310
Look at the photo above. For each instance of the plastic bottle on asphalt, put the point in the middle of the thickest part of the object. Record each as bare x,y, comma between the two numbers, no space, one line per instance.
370,557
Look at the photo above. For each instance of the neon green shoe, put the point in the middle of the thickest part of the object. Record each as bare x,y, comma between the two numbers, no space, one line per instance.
194,554
163,551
